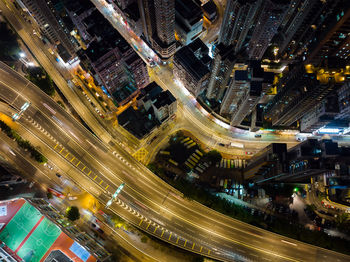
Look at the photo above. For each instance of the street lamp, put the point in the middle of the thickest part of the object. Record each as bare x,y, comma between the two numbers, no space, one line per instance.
116,193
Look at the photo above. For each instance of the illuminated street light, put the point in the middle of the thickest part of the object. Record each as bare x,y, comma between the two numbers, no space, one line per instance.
24,107
116,193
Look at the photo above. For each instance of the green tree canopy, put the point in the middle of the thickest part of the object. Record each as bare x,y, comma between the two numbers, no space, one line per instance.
214,156
9,48
72,213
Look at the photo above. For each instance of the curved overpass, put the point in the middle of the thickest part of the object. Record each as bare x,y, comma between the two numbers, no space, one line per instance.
147,201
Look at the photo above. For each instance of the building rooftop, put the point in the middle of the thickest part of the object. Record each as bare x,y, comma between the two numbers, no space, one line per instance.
241,75
255,88
164,98
150,92
209,7
122,92
136,123
188,10
185,56
226,52
78,6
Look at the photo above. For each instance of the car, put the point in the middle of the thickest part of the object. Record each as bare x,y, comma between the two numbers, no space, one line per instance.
257,135
221,144
58,175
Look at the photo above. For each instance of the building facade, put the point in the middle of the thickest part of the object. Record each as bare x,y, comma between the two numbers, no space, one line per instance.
158,17
238,19
188,21
221,69
191,66
53,29
270,17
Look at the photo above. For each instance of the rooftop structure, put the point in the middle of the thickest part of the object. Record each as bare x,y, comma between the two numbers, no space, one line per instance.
191,66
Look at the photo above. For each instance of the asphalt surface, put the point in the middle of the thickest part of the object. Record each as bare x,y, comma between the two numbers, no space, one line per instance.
146,201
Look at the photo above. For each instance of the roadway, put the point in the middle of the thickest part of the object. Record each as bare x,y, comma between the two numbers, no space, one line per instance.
209,129
146,201
228,239
60,75
200,120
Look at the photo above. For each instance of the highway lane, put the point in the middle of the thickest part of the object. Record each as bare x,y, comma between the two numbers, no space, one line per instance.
210,128
159,201
59,75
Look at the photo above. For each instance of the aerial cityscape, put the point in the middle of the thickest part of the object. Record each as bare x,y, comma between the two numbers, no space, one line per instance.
174,130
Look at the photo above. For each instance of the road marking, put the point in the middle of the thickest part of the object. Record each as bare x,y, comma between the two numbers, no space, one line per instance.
83,168
162,234
95,177
100,182
177,240
155,230
193,246
209,252
170,235
185,242
72,159
66,155
106,187
201,249
55,146
148,225
61,150
77,164
89,173
140,222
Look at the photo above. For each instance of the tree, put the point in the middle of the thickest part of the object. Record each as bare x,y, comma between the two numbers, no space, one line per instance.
342,221
9,48
41,79
49,195
144,239
214,156
72,213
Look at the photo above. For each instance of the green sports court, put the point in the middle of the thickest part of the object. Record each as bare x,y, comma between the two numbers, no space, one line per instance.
29,234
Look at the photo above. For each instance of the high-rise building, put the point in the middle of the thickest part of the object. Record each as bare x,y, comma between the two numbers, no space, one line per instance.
300,90
259,83
238,86
271,15
191,66
158,17
335,40
188,21
296,18
222,65
52,28
317,20
238,19
78,11
247,102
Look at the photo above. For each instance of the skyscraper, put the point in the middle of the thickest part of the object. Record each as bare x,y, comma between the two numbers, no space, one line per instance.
316,23
159,25
51,26
335,40
238,19
271,15
300,90
222,65
296,18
